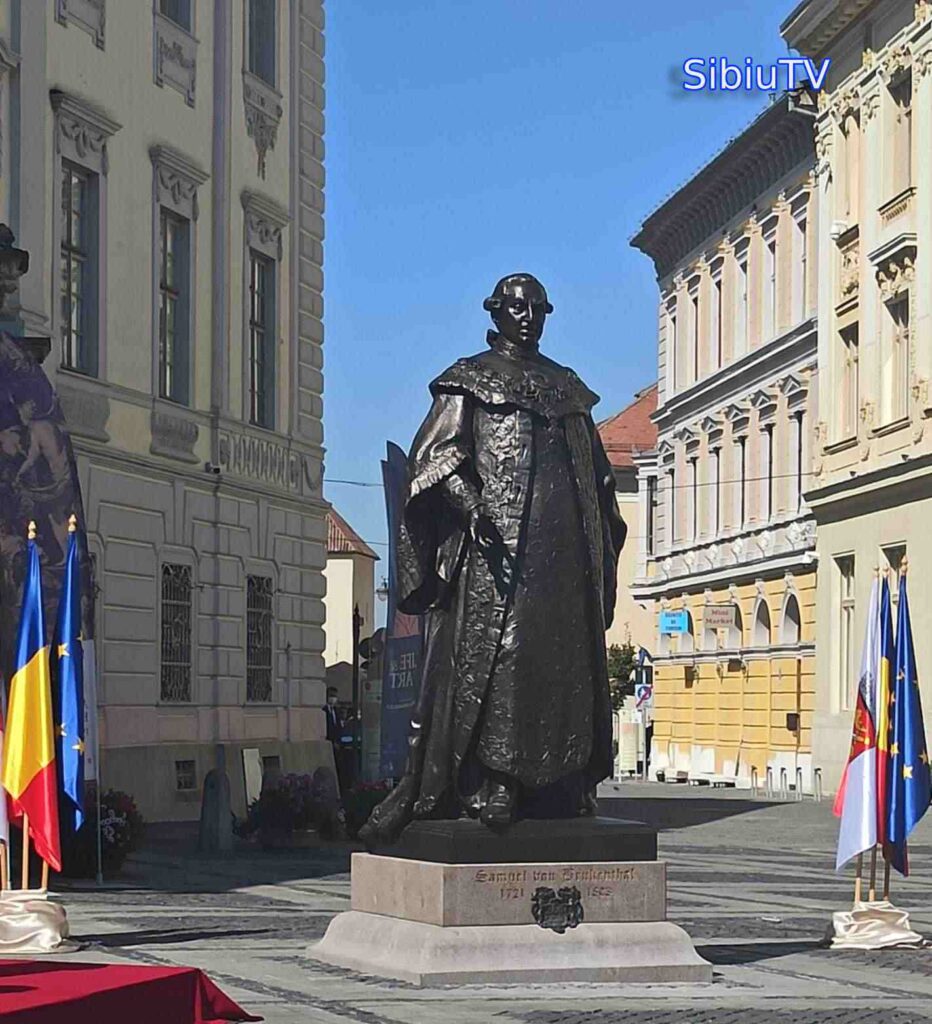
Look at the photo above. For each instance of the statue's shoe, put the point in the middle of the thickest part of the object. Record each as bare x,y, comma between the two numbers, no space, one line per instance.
499,810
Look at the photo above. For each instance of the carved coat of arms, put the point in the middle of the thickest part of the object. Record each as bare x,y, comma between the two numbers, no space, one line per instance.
557,910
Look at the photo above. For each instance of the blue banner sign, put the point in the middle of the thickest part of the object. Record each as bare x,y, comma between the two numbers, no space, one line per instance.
674,622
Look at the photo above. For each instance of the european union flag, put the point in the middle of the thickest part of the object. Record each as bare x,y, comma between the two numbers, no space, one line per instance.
910,783
68,666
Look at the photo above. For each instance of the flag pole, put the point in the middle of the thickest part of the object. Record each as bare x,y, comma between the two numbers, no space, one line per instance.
857,878
872,889
3,863
886,878
24,882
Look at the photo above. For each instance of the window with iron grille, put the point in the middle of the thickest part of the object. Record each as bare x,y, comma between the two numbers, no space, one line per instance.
78,270
261,341
176,633
258,638
173,307
185,775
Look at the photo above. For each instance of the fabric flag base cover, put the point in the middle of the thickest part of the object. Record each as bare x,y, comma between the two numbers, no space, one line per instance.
60,992
876,925
31,923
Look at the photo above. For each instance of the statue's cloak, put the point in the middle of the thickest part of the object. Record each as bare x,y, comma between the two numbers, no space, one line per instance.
514,679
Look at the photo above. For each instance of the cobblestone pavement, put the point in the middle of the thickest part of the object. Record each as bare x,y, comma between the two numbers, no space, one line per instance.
752,883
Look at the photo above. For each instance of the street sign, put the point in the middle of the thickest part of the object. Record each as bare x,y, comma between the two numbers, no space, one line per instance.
674,622
643,694
718,616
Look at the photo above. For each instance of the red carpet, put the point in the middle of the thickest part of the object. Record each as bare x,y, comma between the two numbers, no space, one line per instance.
49,992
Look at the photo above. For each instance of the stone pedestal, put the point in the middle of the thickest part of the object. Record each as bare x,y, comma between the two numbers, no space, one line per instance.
478,915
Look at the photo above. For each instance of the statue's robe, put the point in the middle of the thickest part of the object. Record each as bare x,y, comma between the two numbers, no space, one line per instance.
514,679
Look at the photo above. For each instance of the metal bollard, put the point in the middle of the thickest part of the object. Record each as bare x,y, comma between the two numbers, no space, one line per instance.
769,782
817,784
799,783
784,785
755,781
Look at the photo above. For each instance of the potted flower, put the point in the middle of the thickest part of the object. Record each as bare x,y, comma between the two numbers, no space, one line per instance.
121,830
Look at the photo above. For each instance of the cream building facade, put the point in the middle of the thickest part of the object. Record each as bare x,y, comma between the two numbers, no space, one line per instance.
162,162
871,488
727,538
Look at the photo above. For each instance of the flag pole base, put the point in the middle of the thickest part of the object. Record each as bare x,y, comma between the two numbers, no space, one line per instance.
874,924
32,923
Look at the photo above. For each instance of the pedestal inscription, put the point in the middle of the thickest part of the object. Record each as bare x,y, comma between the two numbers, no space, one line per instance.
498,894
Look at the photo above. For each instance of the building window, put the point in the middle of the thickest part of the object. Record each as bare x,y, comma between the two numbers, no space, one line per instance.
694,308
741,306
179,11
185,776
79,253
694,497
851,181
801,269
174,305
262,33
736,630
717,321
651,514
850,385
741,452
844,565
258,638
717,456
790,627
672,484
761,625
261,340
769,312
672,343
902,150
798,502
176,633
768,482
896,361
687,643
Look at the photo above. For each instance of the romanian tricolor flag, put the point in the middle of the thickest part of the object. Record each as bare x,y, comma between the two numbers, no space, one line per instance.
28,767
884,702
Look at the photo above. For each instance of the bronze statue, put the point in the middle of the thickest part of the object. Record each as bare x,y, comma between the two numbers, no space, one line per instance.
509,543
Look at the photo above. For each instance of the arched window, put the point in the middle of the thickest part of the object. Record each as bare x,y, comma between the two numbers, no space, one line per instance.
688,639
736,631
761,624
789,628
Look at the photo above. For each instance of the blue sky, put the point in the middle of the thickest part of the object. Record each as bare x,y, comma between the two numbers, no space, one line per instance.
467,139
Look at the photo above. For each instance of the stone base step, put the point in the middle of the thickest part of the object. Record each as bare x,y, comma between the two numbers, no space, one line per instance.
428,954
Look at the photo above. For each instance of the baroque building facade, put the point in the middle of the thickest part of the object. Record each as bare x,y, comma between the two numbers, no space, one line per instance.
727,538
162,161
871,486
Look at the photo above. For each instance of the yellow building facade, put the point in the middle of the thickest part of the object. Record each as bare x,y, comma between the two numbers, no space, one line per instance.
726,536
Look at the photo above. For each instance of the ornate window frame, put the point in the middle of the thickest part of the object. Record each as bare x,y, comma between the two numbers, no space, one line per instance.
264,223
89,15
175,180
81,133
174,53
261,99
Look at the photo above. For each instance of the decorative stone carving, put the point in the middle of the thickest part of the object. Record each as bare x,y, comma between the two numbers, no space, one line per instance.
81,131
866,415
845,104
922,11
870,104
820,432
896,62
765,402
90,15
176,181
922,63
850,270
260,459
175,57
173,436
919,395
263,104
86,409
895,276
265,220
868,58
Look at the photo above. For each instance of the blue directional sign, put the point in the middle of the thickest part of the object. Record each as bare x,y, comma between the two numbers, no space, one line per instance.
674,622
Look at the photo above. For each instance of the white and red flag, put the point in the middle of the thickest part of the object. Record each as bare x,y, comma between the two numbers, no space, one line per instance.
856,802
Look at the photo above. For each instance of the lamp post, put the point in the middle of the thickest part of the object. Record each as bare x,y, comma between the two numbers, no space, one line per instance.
357,725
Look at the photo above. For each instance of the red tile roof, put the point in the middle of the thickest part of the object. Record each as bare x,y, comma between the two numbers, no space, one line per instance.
342,539
631,430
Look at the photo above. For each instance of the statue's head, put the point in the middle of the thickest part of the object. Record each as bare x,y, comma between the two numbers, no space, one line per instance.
519,307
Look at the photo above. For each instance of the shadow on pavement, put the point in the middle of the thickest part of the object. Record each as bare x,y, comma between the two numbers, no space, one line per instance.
664,813
724,955
165,936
